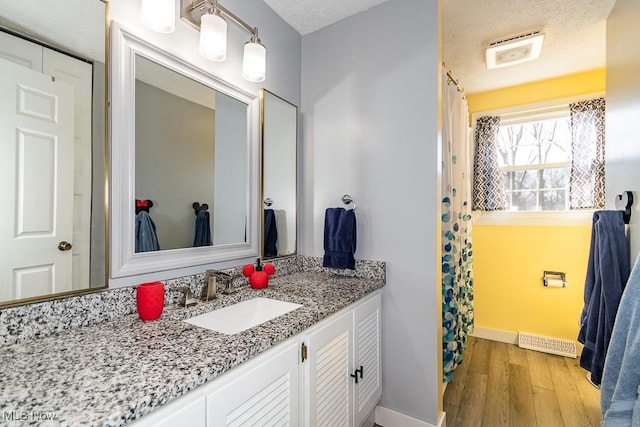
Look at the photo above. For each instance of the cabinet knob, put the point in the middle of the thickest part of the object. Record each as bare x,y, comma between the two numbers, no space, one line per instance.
361,371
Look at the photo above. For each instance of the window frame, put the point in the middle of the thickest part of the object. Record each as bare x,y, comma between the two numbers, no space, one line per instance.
526,113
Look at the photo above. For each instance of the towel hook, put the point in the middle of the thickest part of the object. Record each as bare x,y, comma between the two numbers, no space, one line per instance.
268,201
347,200
623,202
143,205
197,207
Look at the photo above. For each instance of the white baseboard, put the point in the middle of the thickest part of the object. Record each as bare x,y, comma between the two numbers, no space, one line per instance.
496,335
389,418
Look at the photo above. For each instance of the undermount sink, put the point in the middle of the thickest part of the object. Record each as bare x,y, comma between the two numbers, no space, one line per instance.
243,315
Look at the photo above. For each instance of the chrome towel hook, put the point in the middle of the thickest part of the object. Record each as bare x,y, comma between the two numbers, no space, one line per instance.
347,200
623,202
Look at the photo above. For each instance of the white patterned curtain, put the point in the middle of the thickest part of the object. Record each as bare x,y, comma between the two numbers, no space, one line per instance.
586,182
457,277
488,188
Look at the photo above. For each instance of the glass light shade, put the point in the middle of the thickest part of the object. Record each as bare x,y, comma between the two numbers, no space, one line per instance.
213,37
254,63
159,15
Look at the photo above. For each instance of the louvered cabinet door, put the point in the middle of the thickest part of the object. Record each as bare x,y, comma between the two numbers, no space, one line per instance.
367,358
328,399
265,396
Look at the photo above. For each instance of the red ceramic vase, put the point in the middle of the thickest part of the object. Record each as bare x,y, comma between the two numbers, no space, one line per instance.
150,300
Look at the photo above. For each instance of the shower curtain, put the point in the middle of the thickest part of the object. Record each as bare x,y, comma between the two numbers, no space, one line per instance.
457,277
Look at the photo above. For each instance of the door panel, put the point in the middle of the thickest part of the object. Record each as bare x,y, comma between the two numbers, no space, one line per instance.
329,368
36,169
367,355
79,74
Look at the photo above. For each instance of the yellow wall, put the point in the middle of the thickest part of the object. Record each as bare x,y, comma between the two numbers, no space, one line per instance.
509,260
545,90
508,264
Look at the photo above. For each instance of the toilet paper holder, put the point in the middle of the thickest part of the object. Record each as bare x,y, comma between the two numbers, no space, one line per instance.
554,276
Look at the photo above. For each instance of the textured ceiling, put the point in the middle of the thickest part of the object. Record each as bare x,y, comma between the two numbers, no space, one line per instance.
307,16
574,38
574,34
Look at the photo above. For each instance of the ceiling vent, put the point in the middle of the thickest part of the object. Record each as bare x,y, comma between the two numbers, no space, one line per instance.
514,49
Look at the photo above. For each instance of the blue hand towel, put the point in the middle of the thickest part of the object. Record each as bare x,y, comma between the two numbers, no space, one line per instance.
202,235
621,376
270,233
146,238
607,273
339,238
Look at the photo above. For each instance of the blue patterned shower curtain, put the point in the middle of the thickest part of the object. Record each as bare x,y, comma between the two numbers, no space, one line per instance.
457,277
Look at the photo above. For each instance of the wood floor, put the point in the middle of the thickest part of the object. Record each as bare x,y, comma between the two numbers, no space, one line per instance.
501,384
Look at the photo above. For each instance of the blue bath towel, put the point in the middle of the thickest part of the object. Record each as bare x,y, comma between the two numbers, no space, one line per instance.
339,238
146,238
202,235
607,273
621,377
270,233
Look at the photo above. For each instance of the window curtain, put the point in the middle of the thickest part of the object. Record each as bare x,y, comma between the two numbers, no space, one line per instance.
586,181
457,277
488,190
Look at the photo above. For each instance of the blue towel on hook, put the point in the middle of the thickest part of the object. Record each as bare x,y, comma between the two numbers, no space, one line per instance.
202,235
270,233
339,238
607,273
146,237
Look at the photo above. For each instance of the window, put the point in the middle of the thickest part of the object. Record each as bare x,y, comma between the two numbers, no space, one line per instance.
534,158
544,159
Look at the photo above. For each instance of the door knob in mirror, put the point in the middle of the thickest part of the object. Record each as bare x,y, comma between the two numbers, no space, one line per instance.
64,246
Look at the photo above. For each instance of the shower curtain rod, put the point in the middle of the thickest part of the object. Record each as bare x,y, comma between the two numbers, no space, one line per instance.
453,79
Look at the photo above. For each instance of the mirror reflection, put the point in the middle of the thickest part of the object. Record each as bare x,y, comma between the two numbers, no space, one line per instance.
279,153
52,148
190,162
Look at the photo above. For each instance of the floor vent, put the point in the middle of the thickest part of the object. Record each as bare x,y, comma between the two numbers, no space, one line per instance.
547,345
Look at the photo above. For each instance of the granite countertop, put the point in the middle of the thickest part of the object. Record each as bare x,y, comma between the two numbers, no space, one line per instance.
111,373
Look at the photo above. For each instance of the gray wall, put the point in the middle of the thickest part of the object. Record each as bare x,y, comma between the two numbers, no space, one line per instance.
623,109
230,202
174,162
370,113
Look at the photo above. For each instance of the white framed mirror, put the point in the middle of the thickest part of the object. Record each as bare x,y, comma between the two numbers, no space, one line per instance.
53,150
279,175
181,139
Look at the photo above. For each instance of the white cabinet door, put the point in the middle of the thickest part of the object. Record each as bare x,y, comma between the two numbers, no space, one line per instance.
328,399
368,391
190,414
267,395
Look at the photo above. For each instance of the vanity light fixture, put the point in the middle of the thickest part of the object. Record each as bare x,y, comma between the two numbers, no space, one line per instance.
208,16
213,34
158,15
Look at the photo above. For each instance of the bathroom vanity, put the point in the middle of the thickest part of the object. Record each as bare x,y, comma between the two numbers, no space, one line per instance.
318,363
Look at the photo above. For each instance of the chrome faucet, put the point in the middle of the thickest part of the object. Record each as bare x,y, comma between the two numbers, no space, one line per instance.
188,300
226,279
210,288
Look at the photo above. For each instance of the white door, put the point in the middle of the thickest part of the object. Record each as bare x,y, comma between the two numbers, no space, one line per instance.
329,370
78,74
36,171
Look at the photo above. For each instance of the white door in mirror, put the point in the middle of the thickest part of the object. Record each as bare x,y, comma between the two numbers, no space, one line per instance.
37,161
243,315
